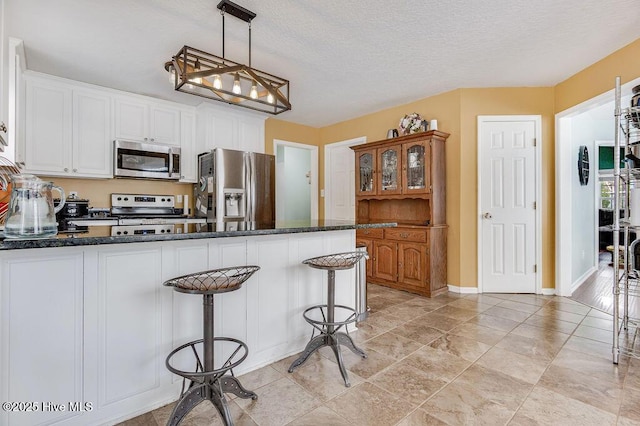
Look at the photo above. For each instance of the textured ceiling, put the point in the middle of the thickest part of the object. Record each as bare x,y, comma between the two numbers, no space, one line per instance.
343,58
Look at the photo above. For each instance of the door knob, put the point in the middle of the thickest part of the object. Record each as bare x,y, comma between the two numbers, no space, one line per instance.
487,215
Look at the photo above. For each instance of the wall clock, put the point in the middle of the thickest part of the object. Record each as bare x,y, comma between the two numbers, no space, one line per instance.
583,165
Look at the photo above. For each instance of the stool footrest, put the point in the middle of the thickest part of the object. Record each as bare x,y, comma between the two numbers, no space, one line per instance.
199,375
321,324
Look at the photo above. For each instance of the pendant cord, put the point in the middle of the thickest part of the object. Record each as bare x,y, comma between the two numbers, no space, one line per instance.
222,13
249,44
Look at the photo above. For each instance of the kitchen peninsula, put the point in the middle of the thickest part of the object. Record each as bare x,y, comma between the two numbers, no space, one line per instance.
86,319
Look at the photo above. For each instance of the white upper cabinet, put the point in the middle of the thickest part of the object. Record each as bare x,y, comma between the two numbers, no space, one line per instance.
48,128
139,120
188,150
229,129
67,130
92,145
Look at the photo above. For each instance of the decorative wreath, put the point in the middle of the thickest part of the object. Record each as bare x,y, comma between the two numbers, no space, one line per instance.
410,123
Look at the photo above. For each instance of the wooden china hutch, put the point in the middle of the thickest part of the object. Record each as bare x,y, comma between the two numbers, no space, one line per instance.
403,180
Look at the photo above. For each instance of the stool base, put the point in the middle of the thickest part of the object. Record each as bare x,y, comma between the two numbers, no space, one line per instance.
333,340
212,391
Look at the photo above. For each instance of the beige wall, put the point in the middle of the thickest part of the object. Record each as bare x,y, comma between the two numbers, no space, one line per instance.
98,191
290,132
504,101
457,112
599,77
445,108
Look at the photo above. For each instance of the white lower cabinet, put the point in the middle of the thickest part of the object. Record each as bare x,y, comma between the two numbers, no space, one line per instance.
42,336
94,324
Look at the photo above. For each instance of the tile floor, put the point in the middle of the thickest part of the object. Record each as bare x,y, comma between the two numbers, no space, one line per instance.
455,359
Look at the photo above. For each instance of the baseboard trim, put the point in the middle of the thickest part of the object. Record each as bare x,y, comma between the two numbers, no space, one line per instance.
548,291
462,290
577,283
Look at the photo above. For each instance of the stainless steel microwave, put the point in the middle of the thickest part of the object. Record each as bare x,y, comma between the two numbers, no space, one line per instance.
146,160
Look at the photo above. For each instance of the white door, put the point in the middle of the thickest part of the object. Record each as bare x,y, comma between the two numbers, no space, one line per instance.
507,204
340,184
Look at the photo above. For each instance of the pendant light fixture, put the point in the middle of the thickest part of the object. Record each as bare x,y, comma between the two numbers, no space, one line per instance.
204,74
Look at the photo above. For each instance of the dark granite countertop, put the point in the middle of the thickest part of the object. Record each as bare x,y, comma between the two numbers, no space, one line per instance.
96,235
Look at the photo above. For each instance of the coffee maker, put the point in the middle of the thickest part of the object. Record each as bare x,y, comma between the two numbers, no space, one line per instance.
74,208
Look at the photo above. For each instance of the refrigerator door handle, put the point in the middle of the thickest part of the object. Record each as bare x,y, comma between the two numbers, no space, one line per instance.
248,166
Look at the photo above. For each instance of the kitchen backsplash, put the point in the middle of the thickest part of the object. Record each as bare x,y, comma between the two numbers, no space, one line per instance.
98,191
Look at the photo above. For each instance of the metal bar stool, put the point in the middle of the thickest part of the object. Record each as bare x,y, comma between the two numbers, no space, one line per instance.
328,327
207,382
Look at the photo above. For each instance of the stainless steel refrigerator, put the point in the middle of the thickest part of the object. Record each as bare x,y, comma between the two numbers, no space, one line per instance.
235,188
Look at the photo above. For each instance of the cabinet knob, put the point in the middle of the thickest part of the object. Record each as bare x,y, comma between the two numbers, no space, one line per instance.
146,139
404,235
66,169
153,140
487,215
75,170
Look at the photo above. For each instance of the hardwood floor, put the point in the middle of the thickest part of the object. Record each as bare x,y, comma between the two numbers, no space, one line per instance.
597,291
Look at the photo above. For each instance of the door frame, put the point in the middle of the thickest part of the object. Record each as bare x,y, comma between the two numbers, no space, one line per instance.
314,170
537,119
327,176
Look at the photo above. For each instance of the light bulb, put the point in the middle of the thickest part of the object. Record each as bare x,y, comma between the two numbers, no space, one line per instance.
236,85
196,67
217,82
254,91
270,98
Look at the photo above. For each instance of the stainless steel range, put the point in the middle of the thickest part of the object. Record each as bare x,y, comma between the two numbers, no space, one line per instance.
141,214
142,205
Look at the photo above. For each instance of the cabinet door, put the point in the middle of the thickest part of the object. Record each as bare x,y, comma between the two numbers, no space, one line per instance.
129,323
389,167
131,120
366,172
251,134
48,128
223,131
415,167
385,260
42,299
188,154
412,264
92,141
369,246
164,125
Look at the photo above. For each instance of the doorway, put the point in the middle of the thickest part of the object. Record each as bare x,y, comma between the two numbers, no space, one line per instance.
579,207
296,181
339,179
509,237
